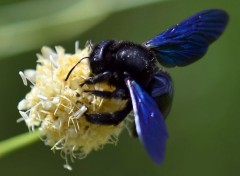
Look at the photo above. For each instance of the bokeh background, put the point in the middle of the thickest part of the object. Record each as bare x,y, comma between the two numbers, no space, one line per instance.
204,121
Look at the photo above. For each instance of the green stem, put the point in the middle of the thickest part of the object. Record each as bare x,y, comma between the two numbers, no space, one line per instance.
9,145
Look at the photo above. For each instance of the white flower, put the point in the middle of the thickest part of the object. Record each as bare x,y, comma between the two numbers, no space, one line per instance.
57,107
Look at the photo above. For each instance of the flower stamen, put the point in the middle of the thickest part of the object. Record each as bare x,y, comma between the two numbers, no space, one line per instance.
57,107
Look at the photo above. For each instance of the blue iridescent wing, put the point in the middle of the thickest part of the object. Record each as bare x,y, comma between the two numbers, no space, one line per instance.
188,41
161,84
161,90
149,121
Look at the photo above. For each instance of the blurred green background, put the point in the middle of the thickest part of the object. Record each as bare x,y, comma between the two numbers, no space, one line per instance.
204,121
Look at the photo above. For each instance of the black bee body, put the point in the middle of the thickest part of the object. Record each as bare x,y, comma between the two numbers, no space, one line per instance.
113,61
120,57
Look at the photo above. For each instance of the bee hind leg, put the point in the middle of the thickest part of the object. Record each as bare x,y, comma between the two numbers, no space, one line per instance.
118,94
112,118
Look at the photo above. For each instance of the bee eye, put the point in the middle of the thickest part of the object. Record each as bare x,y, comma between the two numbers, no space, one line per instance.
95,59
97,64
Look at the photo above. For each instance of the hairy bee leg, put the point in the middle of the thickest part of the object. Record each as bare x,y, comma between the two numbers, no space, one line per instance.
98,78
113,118
118,93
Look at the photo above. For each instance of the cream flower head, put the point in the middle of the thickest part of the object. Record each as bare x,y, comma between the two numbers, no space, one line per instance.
56,107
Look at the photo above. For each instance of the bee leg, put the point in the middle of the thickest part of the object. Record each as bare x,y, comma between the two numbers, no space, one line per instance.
113,118
98,78
118,93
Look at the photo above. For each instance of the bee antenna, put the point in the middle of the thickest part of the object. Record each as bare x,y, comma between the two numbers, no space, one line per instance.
69,73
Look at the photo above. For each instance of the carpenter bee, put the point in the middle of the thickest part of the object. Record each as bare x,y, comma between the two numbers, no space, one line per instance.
132,68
